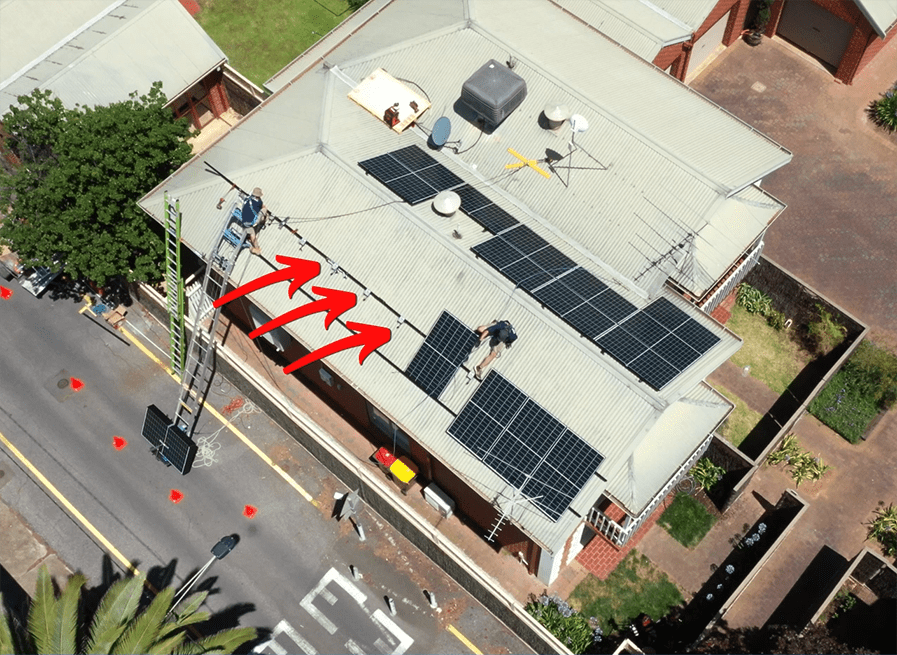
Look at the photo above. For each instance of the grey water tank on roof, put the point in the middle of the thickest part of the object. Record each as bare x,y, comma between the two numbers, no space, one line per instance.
493,92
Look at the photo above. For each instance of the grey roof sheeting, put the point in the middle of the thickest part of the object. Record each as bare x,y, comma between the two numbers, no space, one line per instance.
130,46
303,145
881,14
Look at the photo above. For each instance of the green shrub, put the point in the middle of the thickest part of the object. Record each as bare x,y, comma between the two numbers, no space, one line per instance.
776,320
866,385
802,464
884,110
570,627
825,334
707,474
883,529
753,300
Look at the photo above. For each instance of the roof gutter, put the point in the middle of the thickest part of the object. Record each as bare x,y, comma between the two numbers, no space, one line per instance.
875,26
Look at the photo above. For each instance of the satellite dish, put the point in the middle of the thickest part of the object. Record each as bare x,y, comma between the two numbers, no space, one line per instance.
446,202
441,131
578,123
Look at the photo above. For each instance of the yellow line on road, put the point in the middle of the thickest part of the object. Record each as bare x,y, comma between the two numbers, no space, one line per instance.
464,640
68,505
242,437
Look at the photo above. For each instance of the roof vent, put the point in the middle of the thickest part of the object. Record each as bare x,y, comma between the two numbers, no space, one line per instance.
446,202
493,92
555,115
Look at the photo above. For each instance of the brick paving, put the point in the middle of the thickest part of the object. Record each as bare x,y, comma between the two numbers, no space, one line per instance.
600,557
839,232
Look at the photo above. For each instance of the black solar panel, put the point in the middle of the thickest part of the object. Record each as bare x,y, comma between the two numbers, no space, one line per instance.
696,336
666,313
526,274
471,199
644,328
553,261
524,239
171,442
446,347
155,425
498,252
411,174
652,369
612,305
525,445
493,218
588,321
583,283
676,352
621,345
557,297
179,449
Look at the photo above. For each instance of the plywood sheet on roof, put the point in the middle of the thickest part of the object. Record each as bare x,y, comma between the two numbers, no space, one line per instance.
379,91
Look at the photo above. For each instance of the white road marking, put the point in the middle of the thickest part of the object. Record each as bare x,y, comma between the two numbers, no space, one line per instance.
285,628
392,632
354,648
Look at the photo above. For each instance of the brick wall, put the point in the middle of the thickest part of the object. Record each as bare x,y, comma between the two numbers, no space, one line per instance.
679,54
864,43
214,82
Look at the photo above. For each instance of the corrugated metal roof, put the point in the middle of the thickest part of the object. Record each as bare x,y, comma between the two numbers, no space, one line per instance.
415,266
664,113
672,439
631,34
690,12
129,48
882,14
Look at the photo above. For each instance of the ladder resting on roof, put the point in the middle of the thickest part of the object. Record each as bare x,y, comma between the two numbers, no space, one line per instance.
196,374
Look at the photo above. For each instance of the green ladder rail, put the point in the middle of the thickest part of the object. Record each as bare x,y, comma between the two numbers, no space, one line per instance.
174,283
196,376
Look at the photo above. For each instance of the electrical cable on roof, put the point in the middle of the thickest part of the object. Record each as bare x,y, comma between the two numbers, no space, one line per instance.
419,88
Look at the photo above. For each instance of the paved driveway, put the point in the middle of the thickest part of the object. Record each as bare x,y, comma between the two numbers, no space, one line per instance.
839,233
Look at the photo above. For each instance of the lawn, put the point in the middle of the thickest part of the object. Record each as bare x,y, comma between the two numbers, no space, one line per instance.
686,520
260,38
741,421
774,358
635,586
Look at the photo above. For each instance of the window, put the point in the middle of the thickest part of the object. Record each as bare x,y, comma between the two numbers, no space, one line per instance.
400,440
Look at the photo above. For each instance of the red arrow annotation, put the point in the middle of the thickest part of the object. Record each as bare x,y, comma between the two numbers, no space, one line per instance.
369,337
299,271
334,302
175,496
77,384
119,443
5,293
249,511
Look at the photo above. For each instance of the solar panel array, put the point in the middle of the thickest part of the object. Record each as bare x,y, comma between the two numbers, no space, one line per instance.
411,174
526,445
170,441
484,211
656,343
446,347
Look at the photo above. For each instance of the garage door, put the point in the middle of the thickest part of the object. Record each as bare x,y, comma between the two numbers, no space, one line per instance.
707,44
811,27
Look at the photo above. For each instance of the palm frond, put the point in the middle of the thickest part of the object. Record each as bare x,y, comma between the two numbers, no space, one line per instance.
226,641
166,646
7,633
188,614
65,631
42,615
115,612
144,630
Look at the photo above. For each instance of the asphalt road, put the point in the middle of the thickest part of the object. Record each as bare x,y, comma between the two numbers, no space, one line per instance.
290,572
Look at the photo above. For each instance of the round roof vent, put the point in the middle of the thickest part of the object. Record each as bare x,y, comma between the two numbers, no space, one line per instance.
555,114
446,202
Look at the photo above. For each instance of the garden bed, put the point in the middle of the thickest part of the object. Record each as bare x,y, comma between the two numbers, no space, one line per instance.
864,388
687,520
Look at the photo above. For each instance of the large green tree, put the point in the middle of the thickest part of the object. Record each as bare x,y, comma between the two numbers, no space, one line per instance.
120,624
72,201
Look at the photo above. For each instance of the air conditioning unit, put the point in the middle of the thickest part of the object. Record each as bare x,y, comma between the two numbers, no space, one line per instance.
439,501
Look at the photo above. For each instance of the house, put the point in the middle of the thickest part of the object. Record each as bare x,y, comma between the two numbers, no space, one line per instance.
680,35
96,52
845,34
604,207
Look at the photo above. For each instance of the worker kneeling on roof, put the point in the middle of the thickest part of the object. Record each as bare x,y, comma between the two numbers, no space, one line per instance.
253,217
500,334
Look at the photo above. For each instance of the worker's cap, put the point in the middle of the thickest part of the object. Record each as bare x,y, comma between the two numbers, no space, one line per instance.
257,192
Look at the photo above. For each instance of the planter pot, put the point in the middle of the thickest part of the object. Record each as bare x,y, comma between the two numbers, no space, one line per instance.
753,38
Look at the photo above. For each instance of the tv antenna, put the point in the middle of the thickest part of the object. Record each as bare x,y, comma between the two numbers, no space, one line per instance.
578,125
517,497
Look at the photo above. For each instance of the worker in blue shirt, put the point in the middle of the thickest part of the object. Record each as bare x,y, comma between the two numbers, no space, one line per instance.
500,335
252,217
